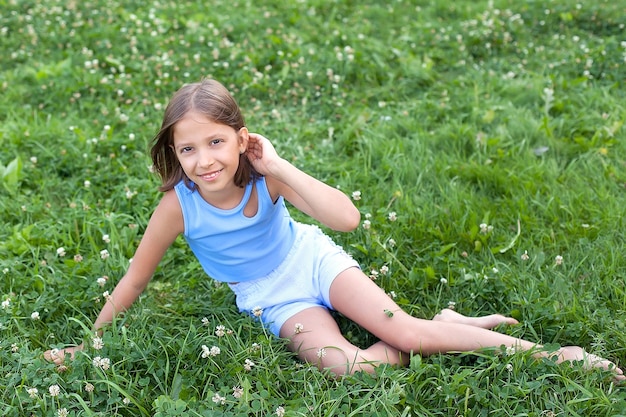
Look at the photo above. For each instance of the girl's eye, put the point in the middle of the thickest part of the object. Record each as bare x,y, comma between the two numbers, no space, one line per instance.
186,149
216,141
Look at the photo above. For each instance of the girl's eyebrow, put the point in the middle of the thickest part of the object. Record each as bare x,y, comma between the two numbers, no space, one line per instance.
191,143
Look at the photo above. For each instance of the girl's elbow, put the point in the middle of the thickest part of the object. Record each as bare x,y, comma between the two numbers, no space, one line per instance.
353,220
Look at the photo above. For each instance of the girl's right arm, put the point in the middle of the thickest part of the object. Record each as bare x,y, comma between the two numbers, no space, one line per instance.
164,226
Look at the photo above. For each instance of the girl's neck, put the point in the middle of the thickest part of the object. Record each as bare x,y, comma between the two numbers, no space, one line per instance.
224,199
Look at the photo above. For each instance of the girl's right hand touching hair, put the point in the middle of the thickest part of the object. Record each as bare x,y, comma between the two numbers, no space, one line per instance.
58,355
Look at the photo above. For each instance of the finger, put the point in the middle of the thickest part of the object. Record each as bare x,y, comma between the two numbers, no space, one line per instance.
54,355
254,137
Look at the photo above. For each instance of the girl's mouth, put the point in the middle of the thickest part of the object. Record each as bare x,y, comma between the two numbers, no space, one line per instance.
210,176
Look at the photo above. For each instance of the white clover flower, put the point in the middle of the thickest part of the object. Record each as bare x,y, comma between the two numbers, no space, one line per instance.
102,363
393,216
54,390
451,305
356,195
78,258
373,275
14,348
237,392
257,311
548,95
220,331
321,353
511,350
104,254
298,328
218,399
213,351
89,387
367,224
61,251
126,401
32,392
205,321
509,367
33,160
35,315
106,238
280,411
102,281
391,243
62,412
106,296
558,260
525,256
97,343
87,183
485,228
255,347
443,280
6,303
384,269
96,361
248,364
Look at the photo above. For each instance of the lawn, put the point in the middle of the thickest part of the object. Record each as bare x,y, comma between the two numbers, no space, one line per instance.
482,141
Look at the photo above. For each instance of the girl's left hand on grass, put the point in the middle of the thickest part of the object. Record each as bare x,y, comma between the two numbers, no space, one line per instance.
58,355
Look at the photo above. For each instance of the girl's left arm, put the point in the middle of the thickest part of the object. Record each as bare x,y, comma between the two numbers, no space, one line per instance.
324,203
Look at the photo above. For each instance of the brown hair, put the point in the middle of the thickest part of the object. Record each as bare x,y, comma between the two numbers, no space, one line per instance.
207,97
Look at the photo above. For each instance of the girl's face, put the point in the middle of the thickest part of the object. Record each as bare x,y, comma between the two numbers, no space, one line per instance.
209,154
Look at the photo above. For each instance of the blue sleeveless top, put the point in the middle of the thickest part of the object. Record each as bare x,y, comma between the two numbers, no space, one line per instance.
230,246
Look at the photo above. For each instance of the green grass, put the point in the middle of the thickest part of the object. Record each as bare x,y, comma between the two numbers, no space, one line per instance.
450,114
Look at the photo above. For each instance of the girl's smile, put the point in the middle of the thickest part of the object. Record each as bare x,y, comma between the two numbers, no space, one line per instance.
210,176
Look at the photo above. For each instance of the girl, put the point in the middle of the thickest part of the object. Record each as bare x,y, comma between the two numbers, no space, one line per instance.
224,190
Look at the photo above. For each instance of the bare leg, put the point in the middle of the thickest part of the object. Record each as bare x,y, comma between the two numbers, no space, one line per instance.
358,298
315,336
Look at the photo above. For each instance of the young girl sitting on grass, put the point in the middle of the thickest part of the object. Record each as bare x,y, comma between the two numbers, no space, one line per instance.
224,190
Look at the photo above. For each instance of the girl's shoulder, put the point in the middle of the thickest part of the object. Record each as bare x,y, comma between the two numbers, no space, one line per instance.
169,210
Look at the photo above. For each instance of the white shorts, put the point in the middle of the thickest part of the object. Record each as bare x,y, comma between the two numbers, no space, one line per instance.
301,281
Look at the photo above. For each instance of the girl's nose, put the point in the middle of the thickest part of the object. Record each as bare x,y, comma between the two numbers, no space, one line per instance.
206,159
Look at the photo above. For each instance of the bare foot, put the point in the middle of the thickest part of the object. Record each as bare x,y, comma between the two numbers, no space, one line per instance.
486,322
576,353
58,355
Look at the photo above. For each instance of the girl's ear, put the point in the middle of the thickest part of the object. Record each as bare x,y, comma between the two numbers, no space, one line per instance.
243,139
